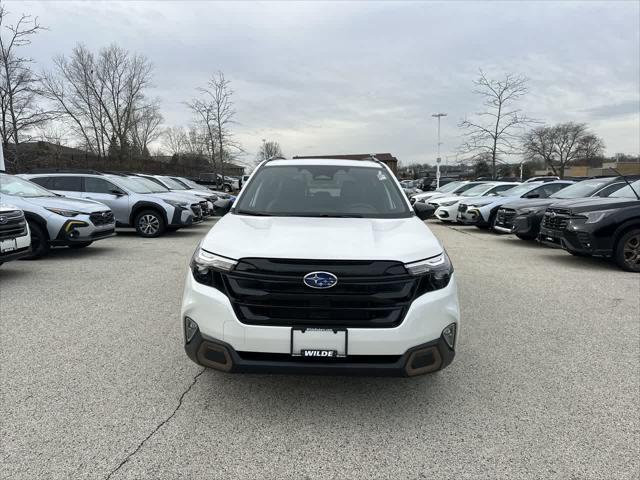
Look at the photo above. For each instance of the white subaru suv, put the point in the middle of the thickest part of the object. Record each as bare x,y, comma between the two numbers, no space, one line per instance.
321,266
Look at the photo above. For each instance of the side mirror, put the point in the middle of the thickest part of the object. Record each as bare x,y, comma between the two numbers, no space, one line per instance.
423,210
533,195
117,192
222,207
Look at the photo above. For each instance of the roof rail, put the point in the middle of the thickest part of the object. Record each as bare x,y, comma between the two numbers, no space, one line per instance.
64,170
371,157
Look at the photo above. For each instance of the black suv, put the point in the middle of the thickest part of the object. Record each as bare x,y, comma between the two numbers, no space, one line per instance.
523,217
605,227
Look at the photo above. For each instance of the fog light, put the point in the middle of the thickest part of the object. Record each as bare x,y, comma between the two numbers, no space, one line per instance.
449,335
190,329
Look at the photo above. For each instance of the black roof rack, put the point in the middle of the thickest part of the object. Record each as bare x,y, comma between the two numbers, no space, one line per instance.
370,158
64,170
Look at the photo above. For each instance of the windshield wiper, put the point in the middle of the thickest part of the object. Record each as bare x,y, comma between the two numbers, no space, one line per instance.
334,215
254,213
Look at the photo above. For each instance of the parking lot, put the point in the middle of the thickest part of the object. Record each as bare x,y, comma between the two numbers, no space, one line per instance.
95,382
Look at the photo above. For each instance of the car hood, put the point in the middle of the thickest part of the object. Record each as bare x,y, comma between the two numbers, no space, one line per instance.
445,199
67,203
404,239
179,197
596,203
429,195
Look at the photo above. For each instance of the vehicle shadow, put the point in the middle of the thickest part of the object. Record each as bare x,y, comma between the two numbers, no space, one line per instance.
13,270
598,263
65,253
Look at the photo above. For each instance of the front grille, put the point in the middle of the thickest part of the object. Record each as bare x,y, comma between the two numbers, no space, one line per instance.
197,211
204,207
504,217
102,218
555,219
368,293
462,208
12,224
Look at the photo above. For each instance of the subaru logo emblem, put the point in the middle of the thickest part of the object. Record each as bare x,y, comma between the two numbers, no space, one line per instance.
320,280
553,214
3,220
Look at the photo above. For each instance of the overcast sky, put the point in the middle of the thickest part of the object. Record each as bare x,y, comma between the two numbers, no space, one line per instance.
326,78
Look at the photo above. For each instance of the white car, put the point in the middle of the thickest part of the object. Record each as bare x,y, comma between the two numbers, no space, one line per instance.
447,206
453,188
346,277
15,237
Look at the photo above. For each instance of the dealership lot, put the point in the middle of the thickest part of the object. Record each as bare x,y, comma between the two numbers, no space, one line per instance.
95,382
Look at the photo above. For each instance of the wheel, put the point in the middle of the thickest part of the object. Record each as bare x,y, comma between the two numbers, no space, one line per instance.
149,224
80,244
226,189
39,242
627,251
525,236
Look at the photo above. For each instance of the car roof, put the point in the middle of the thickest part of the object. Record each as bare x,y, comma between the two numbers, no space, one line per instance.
324,161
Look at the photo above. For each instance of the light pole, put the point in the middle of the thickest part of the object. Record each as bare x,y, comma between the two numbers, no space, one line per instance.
438,160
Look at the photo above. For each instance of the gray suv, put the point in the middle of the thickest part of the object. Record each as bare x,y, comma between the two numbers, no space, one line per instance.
55,220
133,203
178,187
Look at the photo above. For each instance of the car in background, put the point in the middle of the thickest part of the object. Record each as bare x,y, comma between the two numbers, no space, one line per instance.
431,184
604,227
447,207
55,220
482,212
15,237
132,202
453,188
198,189
207,197
523,216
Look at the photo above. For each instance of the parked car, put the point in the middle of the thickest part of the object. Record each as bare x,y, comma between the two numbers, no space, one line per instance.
201,190
207,197
359,295
15,237
55,220
523,216
133,203
453,188
604,227
482,212
447,207
432,184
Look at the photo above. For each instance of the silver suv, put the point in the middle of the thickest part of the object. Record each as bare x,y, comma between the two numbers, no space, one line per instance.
133,203
55,220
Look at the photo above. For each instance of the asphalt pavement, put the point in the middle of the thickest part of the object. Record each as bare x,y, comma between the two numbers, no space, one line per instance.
95,383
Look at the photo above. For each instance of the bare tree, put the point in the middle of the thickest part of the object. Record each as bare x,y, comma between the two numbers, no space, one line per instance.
496,131
591,148
19,107
146,127
175,140
102,95
269,149
560,145
215,112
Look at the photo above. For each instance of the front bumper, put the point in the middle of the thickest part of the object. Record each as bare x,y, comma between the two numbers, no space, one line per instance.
422,325
80,230
447,214
576,240
471,216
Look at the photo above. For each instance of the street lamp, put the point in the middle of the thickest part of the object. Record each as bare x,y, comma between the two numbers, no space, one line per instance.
438,160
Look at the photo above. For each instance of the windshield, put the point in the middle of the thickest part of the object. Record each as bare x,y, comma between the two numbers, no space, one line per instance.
478,190
626,192
323,191
151,185
519,190
130,183
449,187
172,184
580,189
10,185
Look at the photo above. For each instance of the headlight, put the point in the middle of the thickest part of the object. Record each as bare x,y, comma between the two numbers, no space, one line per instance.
449,204
64,213
595,217
206,267
177,204
435,272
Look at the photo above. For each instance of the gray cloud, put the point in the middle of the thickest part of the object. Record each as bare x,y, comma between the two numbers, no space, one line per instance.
359,77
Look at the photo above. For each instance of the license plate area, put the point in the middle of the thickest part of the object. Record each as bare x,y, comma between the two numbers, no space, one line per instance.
8,245
319,343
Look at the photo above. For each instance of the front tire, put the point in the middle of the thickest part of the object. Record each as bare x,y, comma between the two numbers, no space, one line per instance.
627,251
149,224
226,189
39,242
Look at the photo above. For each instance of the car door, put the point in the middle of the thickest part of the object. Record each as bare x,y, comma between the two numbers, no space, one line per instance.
102,190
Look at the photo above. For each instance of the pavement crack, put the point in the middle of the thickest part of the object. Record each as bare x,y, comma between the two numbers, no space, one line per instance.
158,427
